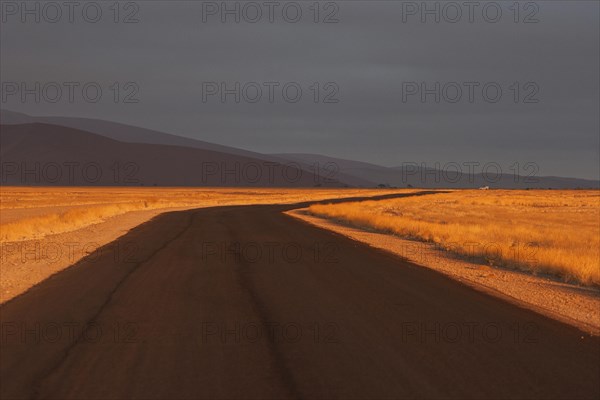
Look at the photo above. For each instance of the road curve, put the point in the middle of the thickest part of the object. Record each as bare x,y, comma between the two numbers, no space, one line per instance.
247,302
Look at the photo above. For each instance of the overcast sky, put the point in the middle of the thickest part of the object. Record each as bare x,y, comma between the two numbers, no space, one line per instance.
369,66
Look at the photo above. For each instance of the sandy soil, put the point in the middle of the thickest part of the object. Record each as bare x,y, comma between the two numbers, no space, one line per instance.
26,263
569,303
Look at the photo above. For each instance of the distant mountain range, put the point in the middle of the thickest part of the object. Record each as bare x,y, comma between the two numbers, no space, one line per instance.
89,152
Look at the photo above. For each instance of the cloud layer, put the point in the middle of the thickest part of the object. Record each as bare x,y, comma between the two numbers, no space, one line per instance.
379,85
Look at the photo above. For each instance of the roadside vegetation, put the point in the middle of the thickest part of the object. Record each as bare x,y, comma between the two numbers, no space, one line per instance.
28,213
540,231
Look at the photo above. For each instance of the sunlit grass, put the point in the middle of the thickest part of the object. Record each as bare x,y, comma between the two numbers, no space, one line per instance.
555,232
35,212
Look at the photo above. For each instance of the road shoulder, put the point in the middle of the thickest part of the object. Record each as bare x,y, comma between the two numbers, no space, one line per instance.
572,304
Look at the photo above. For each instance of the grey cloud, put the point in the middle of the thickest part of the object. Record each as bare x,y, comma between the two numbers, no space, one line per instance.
369,54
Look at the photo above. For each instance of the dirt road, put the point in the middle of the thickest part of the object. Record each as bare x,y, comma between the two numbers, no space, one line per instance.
246,302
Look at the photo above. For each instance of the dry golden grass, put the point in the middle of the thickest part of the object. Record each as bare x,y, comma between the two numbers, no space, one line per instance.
35,212
556,232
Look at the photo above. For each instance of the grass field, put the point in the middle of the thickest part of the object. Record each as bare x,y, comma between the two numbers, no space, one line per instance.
556,232
35,212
